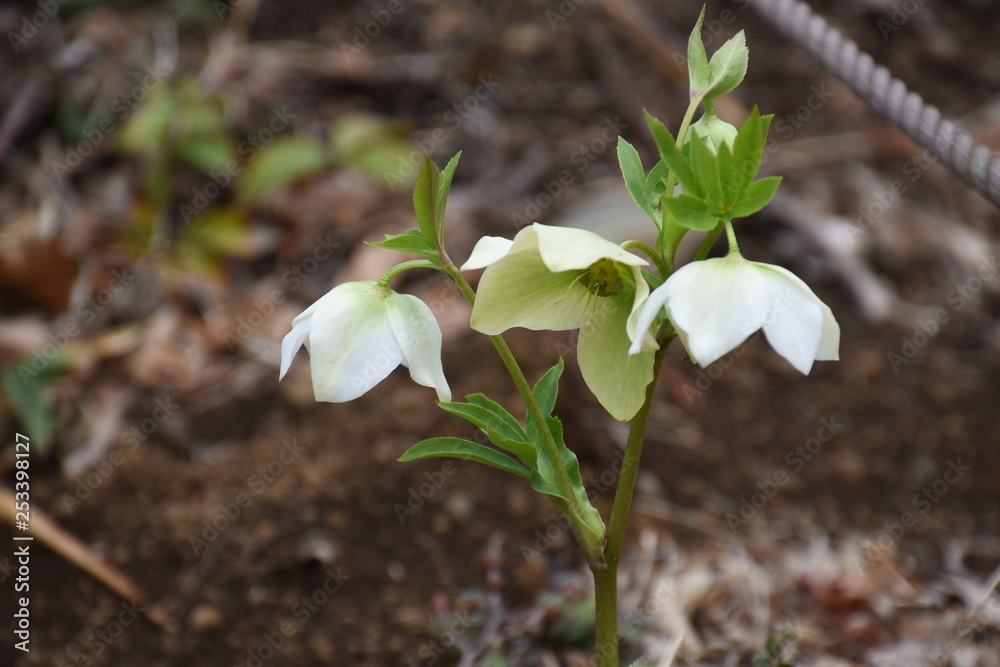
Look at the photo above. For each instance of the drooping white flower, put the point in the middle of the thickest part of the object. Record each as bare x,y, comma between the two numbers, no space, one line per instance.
716,304
360,332
560,278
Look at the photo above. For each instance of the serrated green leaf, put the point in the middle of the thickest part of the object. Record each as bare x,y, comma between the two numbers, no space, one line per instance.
425,193
706,171
656,186
756,196
699,70
442,197
748,149
673,157
690,211
727,176
460,448
728,66
635,178
411,241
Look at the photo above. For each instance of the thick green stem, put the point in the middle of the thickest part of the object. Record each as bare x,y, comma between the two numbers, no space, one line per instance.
606,579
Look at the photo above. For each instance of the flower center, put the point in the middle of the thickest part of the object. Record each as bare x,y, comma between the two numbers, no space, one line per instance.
601,278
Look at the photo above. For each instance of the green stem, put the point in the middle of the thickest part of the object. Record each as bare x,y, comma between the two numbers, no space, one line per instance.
734,247
591,544
649,252
707,244
668,253
405,266
606,579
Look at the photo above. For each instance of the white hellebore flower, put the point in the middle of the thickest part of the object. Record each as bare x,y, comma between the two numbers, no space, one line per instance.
560,278
716,304
360,332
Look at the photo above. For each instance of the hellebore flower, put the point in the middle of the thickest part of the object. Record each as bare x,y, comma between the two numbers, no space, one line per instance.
716,304
360,332
560,278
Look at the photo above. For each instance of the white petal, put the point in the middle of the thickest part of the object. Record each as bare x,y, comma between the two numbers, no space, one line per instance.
795,334
805,330
647,342
568,248
488,250
715,305
291,343
644,319
829,342
352,346
419,339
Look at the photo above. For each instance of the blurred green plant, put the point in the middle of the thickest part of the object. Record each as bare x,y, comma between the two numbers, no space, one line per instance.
27,394
779,650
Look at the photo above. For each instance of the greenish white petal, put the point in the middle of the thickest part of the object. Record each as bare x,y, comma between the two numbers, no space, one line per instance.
488,250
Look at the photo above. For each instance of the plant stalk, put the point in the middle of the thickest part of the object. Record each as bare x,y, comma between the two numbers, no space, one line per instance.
606,579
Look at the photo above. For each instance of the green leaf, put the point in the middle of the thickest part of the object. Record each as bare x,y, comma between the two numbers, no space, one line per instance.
25,389
460,448
755,197
706,171
673,156
547,388
543,479
748,149
425,194
699,69
442,198
511,424
286,160
728,66
635,178
656,186
690,211
498,424
730,184
411,241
